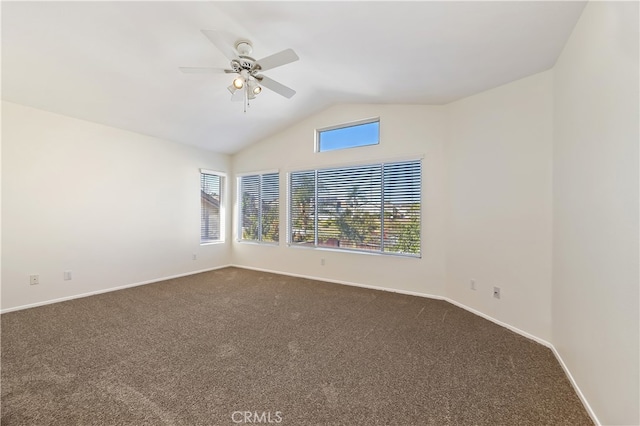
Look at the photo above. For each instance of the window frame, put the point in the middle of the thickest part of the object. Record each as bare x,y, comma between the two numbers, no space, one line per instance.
314,245
239,194
221,206
356,123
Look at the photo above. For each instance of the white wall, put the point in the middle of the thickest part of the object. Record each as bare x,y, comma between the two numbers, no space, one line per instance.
531,186
487,200
114,207
405,131
498,155
595,246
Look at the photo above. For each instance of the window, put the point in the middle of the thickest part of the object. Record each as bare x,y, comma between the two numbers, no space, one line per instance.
373,208
211,188
259,209
362,133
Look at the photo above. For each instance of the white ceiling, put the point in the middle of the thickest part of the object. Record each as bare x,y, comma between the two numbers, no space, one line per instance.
117,63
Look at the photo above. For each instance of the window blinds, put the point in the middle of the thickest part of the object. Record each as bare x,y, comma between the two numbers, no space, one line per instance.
368,208
259,210
210,201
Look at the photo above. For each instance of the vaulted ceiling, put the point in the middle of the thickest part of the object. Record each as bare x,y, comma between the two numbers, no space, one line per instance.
116,63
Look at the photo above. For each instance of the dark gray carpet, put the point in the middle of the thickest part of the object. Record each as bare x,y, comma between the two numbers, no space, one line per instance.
194,350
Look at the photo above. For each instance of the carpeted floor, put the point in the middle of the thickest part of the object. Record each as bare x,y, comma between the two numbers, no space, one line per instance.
212,348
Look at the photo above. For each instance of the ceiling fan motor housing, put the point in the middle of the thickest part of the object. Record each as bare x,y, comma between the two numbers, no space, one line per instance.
244,47
245,63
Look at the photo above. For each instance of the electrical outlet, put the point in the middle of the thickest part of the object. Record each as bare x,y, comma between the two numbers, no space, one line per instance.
472,284
322,261
496,292
67,275
194,257
34,279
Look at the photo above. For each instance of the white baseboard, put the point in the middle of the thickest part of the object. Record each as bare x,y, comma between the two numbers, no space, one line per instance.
349,283
353,284
500,323
576,387
583,399
460,305
107,290
410,293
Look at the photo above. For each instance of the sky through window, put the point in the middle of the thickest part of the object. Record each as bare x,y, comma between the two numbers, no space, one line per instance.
349,136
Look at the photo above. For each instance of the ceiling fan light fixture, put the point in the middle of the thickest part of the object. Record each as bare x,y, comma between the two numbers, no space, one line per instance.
232,89
257,90
238,82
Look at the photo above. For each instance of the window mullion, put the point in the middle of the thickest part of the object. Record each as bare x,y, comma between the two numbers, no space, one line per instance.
382,208
260,207
315,210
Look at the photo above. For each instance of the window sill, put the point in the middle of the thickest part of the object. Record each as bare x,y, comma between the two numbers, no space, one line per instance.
259,243
355,251
212,243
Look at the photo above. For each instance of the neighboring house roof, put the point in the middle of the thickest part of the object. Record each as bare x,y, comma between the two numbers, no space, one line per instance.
210,199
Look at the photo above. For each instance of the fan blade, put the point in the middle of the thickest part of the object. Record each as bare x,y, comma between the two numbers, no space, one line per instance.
224,41
278,59
238,95
279,88
204,70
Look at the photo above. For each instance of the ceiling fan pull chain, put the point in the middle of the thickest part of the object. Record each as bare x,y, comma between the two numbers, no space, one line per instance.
246,98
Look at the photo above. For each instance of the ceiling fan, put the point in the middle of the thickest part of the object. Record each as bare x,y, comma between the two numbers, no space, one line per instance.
249,80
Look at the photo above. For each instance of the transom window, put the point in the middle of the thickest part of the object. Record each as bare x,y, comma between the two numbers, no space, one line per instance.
373,208
361,133
260,208
211,217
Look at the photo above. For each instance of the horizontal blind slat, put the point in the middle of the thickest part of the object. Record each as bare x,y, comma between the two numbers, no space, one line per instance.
350,212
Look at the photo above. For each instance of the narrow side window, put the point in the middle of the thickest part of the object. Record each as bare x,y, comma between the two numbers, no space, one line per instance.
211,187
259,208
